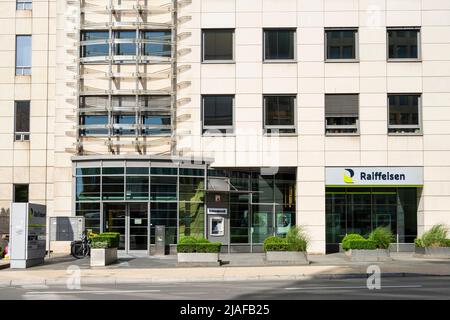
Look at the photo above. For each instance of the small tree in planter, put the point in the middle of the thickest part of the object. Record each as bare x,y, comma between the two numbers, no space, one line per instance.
434,242
291,250
198,251
104,249
374,248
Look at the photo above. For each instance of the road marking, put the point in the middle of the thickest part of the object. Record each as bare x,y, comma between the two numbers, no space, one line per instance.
355,287
91,291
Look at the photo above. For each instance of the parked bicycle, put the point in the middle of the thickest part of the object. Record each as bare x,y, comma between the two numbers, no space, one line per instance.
81,248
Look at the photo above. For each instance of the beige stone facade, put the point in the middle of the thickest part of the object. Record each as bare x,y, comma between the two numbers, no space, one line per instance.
58,79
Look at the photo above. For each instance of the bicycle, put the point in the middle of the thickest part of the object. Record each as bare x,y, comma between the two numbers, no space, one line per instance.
81,248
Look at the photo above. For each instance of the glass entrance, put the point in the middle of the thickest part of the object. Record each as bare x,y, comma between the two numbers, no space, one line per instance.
131,221
138,230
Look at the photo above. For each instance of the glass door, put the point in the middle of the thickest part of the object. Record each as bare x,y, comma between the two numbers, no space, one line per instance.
115,216
138,226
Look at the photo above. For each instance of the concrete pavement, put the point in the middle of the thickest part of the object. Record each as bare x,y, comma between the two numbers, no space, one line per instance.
63,270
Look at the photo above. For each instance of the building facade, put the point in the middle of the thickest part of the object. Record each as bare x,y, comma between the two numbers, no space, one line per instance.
229,119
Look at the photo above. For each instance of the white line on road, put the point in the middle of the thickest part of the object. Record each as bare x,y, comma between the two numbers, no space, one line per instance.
91,291
356,287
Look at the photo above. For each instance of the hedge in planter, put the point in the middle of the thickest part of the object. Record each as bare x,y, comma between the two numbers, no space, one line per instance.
197,245
105,240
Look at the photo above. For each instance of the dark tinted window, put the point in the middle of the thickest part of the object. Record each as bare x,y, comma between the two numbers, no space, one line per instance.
341,44
217,45
279,110
218,111
404,113
21,193
22,117
279,44
403,44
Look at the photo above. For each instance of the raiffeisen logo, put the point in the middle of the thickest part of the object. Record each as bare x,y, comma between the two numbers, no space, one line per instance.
348,175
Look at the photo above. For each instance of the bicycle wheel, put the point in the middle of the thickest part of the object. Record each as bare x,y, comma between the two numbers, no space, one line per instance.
78,251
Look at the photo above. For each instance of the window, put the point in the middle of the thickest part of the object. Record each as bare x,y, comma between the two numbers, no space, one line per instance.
124,124
279,114
341,113
20,193
23,55
94,124
218,113
403,43
404,113
279,44
157,43
24,5
218,45
125,43
22,120
97,44
341,44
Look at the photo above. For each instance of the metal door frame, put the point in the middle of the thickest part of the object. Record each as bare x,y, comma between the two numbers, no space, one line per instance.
127,206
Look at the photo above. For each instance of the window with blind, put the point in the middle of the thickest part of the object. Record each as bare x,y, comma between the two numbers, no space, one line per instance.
218,45
341,113
404,113
217,113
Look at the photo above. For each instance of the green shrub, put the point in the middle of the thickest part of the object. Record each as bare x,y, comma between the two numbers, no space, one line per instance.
275,244
110,238
418,243
446,243
382,236
297,239
362,244
436,236
1,253
350,237
198,245
99,245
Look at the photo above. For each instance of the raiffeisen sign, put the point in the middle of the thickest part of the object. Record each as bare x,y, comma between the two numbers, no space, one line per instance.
384,176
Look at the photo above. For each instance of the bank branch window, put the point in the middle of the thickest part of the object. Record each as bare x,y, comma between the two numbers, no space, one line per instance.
404,114
403,43
341,114
279,114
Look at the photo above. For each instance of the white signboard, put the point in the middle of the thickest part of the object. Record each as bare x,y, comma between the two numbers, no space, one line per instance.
217,211
378,176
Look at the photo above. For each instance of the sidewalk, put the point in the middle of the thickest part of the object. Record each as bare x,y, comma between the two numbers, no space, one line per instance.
163,270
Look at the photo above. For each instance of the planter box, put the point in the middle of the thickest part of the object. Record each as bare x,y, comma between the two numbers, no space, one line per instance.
103,257
286,257
433,252
198,259
369,255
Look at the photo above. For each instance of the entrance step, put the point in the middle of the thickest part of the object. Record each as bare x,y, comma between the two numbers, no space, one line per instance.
242,259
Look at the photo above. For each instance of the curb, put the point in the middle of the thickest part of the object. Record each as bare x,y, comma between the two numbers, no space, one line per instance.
159,280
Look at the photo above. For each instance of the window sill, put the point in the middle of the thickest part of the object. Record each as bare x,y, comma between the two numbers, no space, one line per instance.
404,60
215,135
341,60
280,61
394,134
280,134
356,134
219,62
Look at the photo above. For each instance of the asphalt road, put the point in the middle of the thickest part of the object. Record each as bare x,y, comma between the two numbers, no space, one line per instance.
391,288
